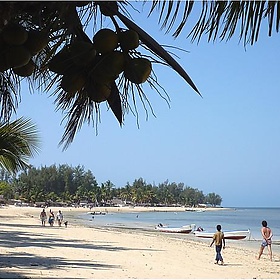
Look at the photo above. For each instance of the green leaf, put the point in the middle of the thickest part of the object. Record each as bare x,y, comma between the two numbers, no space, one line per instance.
114,102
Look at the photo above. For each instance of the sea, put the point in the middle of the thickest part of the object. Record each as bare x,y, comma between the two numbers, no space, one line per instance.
229,218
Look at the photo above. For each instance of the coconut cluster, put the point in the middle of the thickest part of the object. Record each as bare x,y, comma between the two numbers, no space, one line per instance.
17,46
91,67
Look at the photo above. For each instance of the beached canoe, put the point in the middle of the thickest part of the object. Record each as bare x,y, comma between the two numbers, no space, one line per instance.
183,229
234,235
97,213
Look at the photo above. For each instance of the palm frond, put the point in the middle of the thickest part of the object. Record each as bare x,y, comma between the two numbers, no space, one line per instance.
218,19
19,141
80,111
158,49
9,95
114,102
65,22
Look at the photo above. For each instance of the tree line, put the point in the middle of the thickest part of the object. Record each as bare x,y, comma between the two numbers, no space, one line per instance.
67,184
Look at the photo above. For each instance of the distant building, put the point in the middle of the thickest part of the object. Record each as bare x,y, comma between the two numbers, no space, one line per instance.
83,203
117,202
40,204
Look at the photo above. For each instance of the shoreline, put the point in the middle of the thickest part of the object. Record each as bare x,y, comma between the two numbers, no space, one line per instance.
156,209
29,250
251,244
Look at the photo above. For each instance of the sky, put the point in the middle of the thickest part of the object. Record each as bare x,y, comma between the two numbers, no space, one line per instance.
226,142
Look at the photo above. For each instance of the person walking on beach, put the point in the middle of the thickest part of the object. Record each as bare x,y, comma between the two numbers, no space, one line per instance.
43,217
267,235
220,243
59,217
51,218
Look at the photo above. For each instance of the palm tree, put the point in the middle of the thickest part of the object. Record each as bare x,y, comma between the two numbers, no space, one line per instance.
18,142
125,193
65,23
219,19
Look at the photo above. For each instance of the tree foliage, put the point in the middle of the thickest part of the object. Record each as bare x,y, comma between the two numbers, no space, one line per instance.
213,199
6,190
75,67
218,19
68,184
19,141
60,25
78,89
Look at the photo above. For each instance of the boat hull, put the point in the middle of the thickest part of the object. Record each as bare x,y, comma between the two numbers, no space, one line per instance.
184,229
233,235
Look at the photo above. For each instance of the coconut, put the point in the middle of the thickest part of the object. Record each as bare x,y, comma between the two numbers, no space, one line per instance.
25,70
82,52
137,70
72,83
17,56
105,40
62,62
109,66
36,41
129,40
98,92
108,8
14,34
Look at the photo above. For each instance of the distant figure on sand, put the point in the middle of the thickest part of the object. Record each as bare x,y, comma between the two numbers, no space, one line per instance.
220,243
51,218
267,235
59,218
43,217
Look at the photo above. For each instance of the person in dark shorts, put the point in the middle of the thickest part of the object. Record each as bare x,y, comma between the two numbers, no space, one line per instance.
51,218
266,242
220,243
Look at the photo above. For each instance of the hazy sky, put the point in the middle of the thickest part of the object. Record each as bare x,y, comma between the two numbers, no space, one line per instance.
226,142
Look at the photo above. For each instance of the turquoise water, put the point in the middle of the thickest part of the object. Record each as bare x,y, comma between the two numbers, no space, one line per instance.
233,219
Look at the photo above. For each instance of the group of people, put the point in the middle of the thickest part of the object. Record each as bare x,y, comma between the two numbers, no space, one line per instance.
219,240
52,217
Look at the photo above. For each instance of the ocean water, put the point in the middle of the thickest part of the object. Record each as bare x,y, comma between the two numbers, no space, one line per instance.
230,219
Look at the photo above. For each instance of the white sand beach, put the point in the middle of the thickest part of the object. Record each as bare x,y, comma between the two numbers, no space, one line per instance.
28,250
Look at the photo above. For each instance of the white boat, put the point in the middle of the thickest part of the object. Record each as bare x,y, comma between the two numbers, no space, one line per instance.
97,213
192,209
183,229
234,235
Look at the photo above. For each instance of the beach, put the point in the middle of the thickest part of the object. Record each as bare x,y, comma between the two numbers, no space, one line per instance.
29,250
